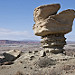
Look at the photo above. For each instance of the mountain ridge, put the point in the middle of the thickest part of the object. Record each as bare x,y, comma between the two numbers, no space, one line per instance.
17,42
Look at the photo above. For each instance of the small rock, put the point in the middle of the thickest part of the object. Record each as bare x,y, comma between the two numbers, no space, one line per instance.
35,52
30,51
31,57
1,64
47,51
21,61
30,67
25,67
42,53
19,73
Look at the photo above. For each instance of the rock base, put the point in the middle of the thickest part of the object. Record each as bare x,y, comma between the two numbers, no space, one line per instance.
54,43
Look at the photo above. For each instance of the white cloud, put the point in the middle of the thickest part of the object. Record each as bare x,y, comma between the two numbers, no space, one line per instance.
7,34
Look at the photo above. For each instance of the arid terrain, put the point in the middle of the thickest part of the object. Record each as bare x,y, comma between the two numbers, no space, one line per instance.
21,45
31,63
33,46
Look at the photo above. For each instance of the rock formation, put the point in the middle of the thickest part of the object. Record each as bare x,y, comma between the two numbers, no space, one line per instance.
52,26
12,55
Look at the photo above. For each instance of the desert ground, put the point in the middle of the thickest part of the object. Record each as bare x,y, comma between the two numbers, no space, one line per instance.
29,63
69,48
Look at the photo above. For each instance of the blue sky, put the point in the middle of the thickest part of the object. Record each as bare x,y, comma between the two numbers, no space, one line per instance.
16,18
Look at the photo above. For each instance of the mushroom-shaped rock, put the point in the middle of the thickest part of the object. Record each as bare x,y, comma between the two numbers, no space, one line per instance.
59,23
52,26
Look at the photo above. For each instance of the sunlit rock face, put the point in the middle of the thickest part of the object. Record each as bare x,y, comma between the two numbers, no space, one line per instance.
52,26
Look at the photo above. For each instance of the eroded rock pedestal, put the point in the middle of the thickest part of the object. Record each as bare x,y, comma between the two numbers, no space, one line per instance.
54,42
52,26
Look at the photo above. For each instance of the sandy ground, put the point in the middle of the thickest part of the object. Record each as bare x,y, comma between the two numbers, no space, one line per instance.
33,64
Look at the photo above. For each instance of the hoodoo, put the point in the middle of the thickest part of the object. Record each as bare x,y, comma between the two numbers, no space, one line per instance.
52,26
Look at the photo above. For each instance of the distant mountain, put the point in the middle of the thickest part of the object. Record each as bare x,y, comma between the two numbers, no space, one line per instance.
70,42
16,42
26,42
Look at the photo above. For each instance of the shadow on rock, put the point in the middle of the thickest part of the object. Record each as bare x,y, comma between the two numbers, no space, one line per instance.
45,62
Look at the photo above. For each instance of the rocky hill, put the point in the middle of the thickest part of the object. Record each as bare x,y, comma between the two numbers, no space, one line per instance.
16,42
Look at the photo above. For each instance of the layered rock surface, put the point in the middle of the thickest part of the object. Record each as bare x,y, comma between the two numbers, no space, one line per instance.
54,43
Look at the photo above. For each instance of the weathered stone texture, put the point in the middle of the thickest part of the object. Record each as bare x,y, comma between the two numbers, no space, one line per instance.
12,55
52,26
43,12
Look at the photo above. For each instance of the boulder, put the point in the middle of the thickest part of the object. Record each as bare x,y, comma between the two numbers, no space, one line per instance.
45,62
12,55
